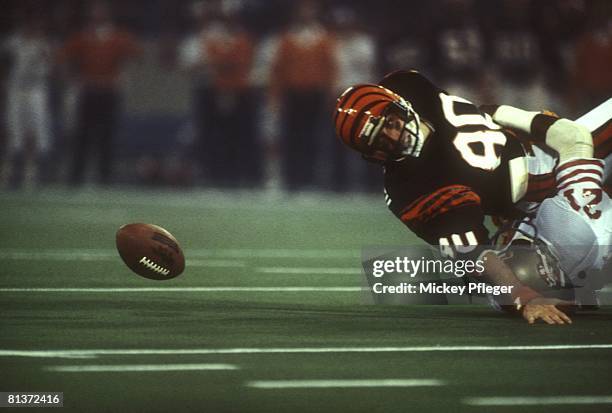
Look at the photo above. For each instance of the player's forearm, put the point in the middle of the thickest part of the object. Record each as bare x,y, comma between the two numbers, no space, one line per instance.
533,123
515,118
498,273
568,138
536,124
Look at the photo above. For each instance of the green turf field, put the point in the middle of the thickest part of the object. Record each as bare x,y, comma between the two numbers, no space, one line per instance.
267,317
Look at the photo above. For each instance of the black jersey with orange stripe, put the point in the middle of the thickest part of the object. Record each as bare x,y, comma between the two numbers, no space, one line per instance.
462,173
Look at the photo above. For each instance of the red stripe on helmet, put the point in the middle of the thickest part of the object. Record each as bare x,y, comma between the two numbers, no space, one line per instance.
354,107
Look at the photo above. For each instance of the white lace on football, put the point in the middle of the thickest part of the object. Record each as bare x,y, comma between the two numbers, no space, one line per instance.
154,267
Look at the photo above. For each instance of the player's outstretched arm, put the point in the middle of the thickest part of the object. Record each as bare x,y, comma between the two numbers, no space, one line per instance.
531,304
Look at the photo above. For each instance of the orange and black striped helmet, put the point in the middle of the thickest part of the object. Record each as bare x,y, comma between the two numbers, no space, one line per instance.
360,117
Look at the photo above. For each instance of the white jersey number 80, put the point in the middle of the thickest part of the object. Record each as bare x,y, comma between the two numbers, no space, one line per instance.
487,157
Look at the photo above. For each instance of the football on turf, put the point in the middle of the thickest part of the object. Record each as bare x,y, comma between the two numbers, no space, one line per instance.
150,251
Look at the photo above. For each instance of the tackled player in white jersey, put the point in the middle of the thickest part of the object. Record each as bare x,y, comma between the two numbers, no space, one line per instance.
575,224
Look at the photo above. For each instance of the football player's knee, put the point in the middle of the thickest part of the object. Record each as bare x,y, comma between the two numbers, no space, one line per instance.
570,139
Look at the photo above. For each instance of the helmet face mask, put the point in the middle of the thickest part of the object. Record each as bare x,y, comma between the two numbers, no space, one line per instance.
394,135
378,123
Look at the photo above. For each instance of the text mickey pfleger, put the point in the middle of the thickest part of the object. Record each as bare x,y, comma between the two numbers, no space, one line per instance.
422,266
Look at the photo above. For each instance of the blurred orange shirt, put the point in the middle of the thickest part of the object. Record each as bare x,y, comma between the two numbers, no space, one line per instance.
304,61
99,59
230,58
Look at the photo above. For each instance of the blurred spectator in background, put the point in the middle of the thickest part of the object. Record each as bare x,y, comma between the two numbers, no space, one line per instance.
557,23
459,61
406,39
356,63
552,54
267,114
231,146
591,82
517,58
97,55
27,106
302,79
192,59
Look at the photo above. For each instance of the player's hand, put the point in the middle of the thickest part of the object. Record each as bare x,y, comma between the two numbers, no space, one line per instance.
545,309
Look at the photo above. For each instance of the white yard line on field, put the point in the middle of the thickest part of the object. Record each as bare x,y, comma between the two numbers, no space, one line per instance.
228,262
215,263
140,367
277,253
309,270
104,256
180,289
59,255
312,384
291,350
536,401
219,253
215,258
218,258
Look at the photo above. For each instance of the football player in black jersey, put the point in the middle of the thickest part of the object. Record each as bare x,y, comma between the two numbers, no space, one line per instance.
447,165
